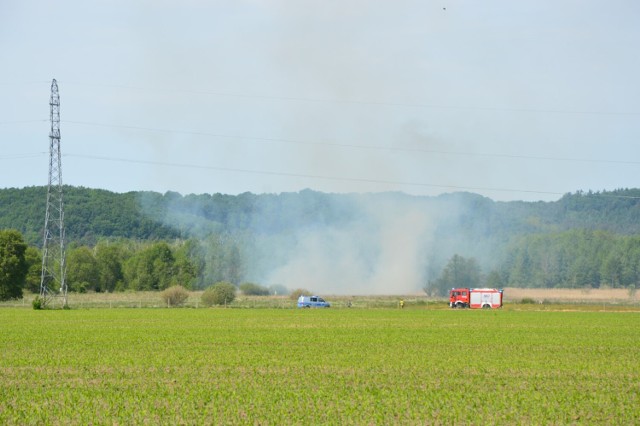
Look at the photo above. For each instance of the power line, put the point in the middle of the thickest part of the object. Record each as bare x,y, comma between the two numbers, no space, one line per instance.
308,176
299,175
363,102
23,155
336,178
23,121
356,146
341,101
24,83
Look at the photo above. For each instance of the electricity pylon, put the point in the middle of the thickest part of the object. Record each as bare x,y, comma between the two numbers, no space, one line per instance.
52,281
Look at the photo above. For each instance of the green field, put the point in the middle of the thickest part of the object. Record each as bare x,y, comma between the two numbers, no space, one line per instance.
334,366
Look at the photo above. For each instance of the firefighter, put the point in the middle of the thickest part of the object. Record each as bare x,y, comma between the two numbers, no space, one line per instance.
401,304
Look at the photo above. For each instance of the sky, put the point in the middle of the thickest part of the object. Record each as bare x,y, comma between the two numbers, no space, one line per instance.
524,100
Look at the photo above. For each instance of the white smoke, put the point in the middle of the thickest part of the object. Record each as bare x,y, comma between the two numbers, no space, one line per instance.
383,252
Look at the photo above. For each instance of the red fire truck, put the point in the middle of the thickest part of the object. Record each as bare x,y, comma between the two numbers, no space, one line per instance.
475,298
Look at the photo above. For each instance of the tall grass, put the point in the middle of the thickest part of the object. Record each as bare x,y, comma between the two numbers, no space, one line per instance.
543,299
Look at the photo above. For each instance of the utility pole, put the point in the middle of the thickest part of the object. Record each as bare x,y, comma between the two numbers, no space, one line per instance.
52,281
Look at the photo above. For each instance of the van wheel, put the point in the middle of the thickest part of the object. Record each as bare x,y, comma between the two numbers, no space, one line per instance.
486,307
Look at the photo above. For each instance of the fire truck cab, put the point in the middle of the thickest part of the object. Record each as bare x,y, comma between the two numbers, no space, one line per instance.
475,298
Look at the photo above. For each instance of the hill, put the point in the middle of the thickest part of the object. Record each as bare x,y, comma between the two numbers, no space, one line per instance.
90,214
371,241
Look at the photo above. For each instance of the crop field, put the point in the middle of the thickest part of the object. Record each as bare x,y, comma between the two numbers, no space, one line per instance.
331,366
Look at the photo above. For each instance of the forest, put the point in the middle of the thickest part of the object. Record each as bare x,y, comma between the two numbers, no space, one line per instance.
334,243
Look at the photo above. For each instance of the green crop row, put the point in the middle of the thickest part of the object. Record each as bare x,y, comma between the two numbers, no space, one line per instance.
274,366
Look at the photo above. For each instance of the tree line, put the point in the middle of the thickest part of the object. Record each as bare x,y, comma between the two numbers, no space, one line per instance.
150,241
571,259
94,214
122,265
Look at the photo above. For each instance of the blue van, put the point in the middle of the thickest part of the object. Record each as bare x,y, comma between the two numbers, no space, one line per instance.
312,302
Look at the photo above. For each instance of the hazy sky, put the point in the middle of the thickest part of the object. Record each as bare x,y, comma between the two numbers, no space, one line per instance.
524,99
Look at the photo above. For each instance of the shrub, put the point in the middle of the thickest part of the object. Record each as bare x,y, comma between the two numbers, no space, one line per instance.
295,294
527,301
251,289
221,293
37,303
175,296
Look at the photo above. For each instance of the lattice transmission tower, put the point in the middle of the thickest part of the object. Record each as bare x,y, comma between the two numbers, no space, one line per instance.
52,282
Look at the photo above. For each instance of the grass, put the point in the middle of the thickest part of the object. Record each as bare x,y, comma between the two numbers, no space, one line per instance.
318,366
544,299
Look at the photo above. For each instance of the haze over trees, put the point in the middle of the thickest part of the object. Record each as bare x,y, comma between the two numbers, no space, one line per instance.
388,242
459,272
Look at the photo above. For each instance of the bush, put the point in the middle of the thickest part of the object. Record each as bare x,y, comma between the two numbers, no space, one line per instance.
527,301
251,289
221,293
295,294
37,303
174,296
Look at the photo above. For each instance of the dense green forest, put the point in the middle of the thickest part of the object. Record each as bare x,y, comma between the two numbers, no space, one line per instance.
386,242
